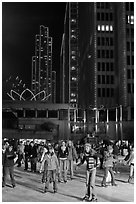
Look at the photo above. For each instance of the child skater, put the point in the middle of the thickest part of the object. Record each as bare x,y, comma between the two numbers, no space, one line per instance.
90,157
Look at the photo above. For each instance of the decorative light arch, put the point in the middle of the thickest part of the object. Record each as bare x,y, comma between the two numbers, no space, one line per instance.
34,96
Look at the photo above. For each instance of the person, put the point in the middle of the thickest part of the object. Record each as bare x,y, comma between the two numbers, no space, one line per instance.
72,155
90,156
33,156
43,167
62,154
27,154
52,167
79,151
130,162
20,153
8,165
108,166
116,154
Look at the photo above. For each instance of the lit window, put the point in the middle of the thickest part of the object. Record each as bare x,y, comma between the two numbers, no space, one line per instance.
73,36
74,78
73,20
111,28
72,100
103,28
132,19
72,30
73,94
73,68
107,27
98,28
73,57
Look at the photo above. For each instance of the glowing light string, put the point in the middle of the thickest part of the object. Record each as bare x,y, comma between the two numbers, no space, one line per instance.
45,97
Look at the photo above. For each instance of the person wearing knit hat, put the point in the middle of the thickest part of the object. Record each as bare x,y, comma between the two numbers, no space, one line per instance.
90,156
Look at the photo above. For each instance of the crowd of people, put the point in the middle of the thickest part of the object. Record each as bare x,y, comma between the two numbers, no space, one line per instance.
54,161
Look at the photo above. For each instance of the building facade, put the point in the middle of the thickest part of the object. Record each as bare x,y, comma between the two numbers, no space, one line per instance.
42,64
105,54
70,56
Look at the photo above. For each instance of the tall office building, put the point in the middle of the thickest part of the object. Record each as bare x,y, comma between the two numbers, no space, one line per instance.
53,86
70,56
42,63
105,53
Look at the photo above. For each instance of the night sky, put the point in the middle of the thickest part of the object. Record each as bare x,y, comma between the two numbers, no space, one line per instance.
20,23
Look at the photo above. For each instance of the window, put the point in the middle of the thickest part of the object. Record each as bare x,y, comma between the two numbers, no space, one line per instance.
112,79
98,4
132,74
131,6
98,27
99,79
128,46
103,66
99,66
102,28
103,92
111,16
103,53
108,92
128,60
127,6
127,31
111,54
111,41
98,54
30,113
103,79
107,66
102,16
132,46
107,16
128,74
99,92
98,41
98,16
129,88
107,79
111,66
52,114
74,78
107,27
107,41
132,59
107,53
112,92
111,28
132,32
103,41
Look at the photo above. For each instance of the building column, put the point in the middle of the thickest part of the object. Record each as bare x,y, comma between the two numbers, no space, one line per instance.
36,113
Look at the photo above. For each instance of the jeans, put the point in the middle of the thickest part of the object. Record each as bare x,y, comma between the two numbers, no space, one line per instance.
106,174
33,164
26,162
11,173
90,182
63,169
51,175
70,167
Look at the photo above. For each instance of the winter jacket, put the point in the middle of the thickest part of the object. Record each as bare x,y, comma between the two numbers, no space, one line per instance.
71,153
108,159
8,158
51,162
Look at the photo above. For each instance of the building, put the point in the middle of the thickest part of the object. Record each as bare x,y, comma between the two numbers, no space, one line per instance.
104,42
53,86
70,56
42,64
